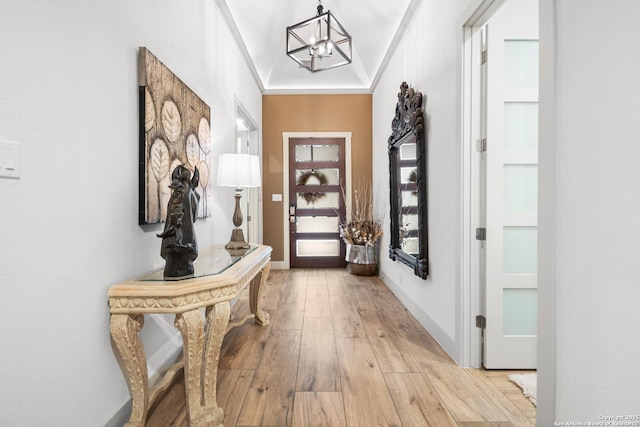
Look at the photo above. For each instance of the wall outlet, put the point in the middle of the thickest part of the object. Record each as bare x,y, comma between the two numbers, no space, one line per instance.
9,159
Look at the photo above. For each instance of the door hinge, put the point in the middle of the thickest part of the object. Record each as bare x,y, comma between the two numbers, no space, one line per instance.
481,145
481,234
481,322
483,57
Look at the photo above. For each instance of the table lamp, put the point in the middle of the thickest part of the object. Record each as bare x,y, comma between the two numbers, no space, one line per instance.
238,170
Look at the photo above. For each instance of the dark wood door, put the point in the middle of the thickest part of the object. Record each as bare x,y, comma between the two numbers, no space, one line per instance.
316,201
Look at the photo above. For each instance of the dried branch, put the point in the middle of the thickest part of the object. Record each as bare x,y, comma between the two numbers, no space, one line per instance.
361,228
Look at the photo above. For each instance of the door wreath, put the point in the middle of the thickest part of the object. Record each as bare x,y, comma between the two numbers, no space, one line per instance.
312,197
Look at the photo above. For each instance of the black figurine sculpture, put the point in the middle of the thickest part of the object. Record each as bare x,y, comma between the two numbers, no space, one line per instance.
179,247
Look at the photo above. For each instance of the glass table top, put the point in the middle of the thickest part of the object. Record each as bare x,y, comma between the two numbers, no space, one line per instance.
213,261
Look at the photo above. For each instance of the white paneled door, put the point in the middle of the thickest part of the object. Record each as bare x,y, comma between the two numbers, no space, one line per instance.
511,67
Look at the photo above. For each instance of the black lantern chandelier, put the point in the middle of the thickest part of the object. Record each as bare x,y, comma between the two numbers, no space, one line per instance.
319,43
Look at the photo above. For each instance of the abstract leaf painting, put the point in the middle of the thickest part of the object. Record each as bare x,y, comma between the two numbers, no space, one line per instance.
175,128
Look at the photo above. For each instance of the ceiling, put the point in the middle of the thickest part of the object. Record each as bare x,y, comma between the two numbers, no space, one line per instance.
260,28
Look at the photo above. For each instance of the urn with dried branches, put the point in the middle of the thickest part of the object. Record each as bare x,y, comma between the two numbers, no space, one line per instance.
362,226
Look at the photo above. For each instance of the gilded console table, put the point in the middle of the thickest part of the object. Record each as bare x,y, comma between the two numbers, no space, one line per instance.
219,276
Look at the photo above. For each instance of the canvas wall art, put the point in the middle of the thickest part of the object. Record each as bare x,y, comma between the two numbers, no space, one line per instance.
175,128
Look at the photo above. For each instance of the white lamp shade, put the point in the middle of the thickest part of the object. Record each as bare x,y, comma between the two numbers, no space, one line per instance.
239,170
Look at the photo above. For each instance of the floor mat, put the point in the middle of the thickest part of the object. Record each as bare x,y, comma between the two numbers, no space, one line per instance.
528,383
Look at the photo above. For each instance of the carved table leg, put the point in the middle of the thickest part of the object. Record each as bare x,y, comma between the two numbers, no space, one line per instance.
201,413
191,328
132,360
255,295
217,321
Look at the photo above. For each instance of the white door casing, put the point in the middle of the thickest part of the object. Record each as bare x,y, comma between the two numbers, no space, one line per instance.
285,264
248,142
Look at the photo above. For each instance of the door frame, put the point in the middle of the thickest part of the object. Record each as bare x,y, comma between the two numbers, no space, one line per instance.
471,262
253,196
285,179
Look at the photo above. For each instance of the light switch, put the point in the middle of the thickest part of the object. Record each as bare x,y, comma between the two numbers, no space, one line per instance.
9,159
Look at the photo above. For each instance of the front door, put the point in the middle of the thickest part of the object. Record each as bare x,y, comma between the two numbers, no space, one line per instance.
316,201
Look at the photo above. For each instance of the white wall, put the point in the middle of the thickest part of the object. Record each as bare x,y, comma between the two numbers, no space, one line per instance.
428,58
589,261
589,201
68,95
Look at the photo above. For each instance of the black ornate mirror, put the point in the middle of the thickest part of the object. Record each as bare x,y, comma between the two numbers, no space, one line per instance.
408,183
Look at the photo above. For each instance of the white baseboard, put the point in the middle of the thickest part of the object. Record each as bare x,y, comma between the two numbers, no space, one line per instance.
156,366
279,265
423,318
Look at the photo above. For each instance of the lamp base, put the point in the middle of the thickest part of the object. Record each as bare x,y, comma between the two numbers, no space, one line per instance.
237,240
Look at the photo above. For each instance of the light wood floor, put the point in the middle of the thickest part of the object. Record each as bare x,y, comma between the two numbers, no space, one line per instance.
341,350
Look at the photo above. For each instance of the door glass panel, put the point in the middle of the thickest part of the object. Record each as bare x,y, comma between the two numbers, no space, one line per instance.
410,245
317,153
317,248
409,229
409,198
519,311
318,200
408,175
521,64
520,250
521,125
408,152
331,175
317,224
410,221
520,188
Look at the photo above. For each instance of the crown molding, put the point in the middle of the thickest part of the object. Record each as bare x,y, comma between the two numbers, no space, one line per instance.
404,23
235,32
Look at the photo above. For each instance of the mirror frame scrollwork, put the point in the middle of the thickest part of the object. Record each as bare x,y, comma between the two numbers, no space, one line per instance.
408,127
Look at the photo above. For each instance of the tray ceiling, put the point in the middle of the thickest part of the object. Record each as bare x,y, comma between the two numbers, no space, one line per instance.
260,27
